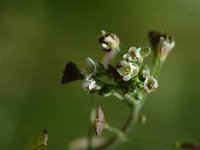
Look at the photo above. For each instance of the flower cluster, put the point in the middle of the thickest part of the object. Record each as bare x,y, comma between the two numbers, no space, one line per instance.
129,80
130,77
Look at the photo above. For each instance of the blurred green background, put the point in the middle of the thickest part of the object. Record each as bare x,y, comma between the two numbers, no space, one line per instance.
38,38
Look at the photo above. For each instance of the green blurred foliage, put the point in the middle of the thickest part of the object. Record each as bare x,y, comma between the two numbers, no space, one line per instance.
37,39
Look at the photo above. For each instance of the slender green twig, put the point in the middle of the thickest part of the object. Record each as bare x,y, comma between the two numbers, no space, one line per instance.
156,67
92,116
117,131
133,115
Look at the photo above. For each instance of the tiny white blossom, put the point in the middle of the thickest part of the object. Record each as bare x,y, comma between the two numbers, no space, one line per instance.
90,68
150,84
127,70
165,48
133,54
90,84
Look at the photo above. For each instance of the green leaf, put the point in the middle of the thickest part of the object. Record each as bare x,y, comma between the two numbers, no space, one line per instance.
38,142
145,51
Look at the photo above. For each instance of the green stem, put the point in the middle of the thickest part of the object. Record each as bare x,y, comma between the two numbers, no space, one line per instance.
156,67
134,113
92,116
120,134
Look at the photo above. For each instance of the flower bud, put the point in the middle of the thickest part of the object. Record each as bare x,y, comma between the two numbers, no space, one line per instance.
162,44
99,123
138,96
164,48
109,41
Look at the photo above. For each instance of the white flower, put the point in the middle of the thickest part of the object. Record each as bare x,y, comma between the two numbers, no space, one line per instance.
90,84
90,68
109,41
133,54
127,70
165,48
150,84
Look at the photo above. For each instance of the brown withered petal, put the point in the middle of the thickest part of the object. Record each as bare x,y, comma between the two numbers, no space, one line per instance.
99,122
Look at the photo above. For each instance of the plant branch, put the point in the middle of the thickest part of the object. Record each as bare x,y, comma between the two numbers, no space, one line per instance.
92,116
133,115
156,67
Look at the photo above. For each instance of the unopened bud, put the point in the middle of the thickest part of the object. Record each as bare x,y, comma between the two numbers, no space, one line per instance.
99,123
162,44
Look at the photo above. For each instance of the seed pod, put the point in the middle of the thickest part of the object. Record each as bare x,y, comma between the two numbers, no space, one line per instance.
99,122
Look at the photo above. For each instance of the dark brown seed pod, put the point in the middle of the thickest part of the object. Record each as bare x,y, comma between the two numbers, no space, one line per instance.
99,122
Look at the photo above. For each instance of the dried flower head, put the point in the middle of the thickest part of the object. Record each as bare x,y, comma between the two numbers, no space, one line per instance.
109,41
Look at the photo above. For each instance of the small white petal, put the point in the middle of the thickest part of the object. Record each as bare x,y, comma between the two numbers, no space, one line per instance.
135,69
126,56
105,46
120,71
103,32
127,77
172,45
109,39
92,85
131,49
89,61
123,62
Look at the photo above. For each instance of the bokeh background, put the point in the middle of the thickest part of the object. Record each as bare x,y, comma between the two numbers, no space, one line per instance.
38,38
